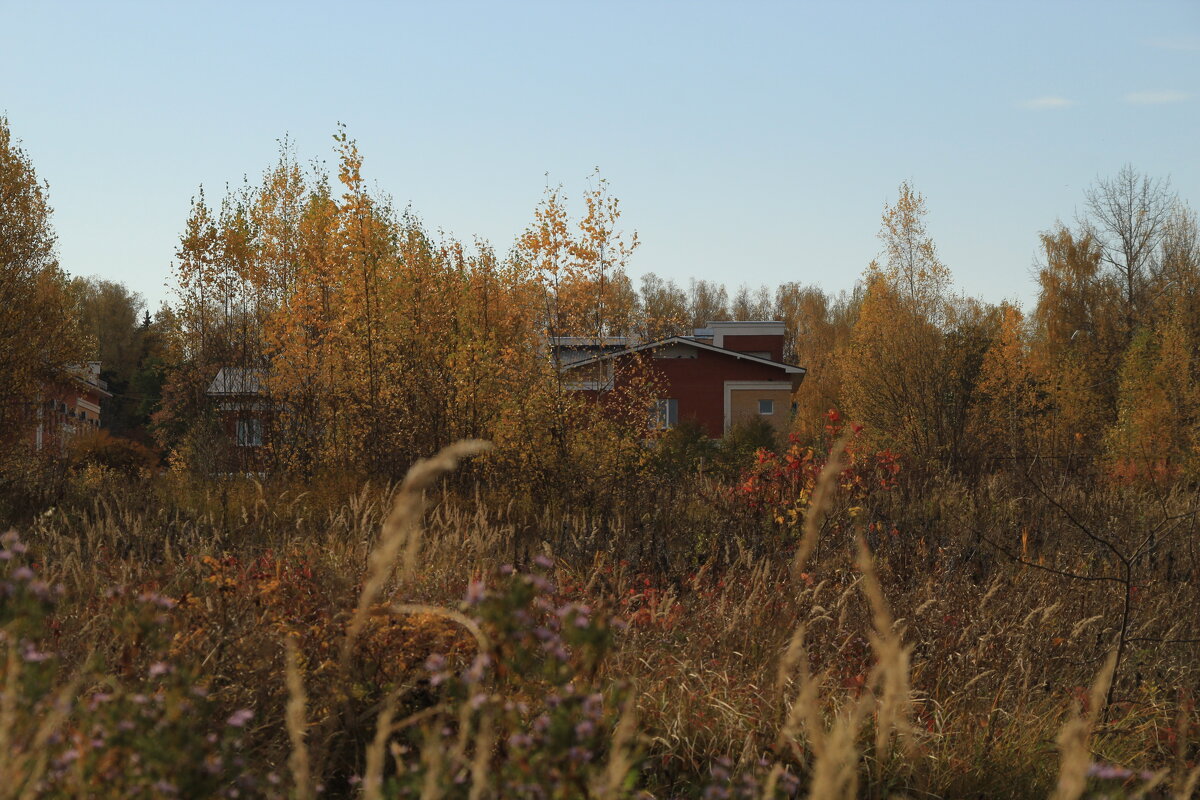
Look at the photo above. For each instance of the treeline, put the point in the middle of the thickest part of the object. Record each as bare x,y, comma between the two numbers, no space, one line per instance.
376,340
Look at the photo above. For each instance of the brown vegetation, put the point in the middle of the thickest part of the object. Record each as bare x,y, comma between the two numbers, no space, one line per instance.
966,573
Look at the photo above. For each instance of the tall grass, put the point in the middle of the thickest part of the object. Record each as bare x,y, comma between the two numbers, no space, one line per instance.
372,642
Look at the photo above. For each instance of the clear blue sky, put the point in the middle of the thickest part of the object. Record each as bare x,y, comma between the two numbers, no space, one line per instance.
749,142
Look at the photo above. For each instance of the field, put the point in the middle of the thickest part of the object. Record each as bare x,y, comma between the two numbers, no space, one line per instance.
338,519
173,637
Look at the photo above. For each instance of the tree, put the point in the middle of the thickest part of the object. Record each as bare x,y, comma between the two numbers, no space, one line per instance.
1077,342
1180,268
1158,406
913,269
1009,402
663,309
1128,216
818,329
40,336
908,369
707,301
109,314
751,304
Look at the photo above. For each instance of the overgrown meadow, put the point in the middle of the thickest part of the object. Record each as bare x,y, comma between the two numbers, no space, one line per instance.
435,571
821,627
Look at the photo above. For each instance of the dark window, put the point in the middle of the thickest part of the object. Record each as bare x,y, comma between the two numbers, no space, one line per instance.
665,414
249,432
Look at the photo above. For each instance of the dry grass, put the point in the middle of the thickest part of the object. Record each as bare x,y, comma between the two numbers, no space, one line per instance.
906,672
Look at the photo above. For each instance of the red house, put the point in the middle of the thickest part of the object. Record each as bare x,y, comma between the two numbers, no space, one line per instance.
68,406
243,408
719,376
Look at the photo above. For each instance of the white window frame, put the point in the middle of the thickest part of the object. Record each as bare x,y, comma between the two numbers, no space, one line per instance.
665,414
605,382
770,407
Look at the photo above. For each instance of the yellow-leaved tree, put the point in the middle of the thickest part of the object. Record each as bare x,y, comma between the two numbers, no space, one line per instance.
909,369
370,342
1076,345
1155,434
40,334
1009,409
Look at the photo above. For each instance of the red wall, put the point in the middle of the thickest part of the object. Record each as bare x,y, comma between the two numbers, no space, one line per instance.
755,344
699,383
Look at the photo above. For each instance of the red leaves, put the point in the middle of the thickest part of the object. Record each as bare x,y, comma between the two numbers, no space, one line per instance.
782,484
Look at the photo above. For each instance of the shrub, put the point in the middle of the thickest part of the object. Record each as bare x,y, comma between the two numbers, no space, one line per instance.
100,448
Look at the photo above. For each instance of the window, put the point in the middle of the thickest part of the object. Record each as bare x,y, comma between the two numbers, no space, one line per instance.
766,407
664,414
249,433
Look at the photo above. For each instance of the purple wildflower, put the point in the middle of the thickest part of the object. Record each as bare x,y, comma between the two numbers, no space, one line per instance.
157,599
479,665
34,656
1109,772
239,718
476,591
520,740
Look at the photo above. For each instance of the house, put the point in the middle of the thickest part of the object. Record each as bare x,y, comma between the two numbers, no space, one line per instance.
69,406
723,374
239,398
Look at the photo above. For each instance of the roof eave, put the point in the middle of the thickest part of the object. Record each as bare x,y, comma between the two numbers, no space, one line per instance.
789,369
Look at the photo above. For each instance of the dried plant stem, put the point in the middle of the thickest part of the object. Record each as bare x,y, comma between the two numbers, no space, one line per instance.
401,531
1075,736
482,758
891,672
620,759
819,505
446,613
377,751
297,725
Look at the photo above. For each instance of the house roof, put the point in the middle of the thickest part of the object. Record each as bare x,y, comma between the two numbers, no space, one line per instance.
688,341
89,375
237,381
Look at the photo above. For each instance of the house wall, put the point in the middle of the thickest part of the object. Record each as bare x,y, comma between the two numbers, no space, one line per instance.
66,408
743,405
699,385
755,344
237,457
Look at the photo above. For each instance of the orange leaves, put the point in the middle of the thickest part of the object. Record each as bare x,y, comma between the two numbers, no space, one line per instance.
782,486
581,273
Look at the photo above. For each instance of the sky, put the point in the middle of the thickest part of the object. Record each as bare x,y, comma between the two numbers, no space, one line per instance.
749,142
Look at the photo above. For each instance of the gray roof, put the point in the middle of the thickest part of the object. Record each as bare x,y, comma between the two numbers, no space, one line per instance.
690,342
237,381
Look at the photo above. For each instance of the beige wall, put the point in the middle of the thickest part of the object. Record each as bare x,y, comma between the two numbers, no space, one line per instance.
743,403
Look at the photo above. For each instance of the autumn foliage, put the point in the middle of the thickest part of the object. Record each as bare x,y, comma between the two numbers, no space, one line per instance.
965,571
